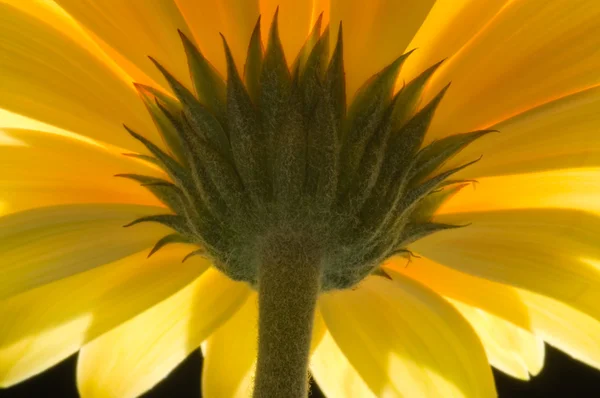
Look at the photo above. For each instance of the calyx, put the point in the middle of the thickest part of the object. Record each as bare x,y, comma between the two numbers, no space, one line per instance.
252,158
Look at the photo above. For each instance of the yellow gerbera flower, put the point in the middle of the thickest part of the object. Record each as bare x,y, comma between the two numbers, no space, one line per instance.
294,205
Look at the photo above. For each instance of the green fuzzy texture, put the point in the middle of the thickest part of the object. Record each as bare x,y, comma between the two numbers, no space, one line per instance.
278,149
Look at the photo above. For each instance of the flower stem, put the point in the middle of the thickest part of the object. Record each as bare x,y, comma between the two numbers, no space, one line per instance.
289,276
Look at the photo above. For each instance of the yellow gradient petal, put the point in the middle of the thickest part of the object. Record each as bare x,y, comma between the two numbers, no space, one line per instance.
405,340
43,326
560,325
494,298
334,374
510,349
564,327
133,357
560,134
378,31
43,245
136,29
576,189
448,26
48,77
230,354
52,14
532,52
235,19
43,169
546,251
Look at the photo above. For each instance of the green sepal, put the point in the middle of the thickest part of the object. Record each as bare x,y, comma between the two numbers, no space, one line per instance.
335,80
248,142
166,128
199,252
309,80
289,156
404,144
299,63
145,158
432,202
378,271
220,171
209,200
415,231
407,99
175,222
365,116
254,61
167,240
435,154
275,88
171,166
164,190
200,117
208,83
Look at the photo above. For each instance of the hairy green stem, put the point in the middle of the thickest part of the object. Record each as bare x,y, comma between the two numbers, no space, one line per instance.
289,277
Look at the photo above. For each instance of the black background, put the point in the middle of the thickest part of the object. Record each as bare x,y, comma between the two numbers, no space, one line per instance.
561,377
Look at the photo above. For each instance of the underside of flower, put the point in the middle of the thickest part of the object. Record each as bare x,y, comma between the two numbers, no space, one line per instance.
278,153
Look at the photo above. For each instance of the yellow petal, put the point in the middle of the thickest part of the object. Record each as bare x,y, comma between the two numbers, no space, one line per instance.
448,26
565,328
377,31
135,30
334,374
547,251
561,134
235,19
510,349
50,78
494,298
530,53
405,340
43,245
558,324
576,189
43,326
230,355
49,169
52,14
133,357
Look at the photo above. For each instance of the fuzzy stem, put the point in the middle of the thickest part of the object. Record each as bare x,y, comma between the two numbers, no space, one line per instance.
289,276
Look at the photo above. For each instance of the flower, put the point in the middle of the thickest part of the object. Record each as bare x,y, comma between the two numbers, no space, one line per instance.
522,271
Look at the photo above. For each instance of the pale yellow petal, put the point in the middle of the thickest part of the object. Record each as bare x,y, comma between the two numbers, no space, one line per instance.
448,26
43,245
43,326
575,189
375,33
133,357
230,354
558,324
405,340
334,374
42,169
561,134
136,29
235,19
530,53
564,327
510,349
494,298
548,251
48,77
